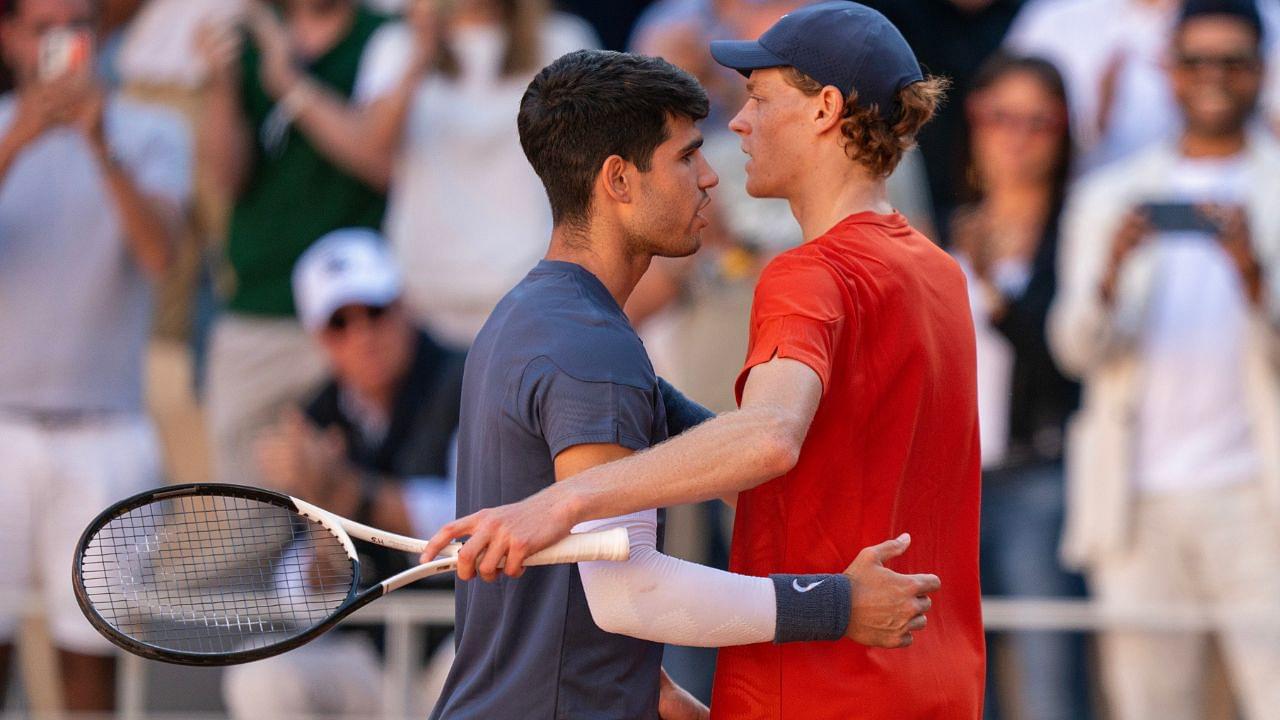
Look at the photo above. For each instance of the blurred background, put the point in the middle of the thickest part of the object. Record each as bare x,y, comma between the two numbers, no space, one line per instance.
1105,171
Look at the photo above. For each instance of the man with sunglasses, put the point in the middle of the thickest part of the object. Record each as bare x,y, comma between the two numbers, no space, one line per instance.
374,444
1168,310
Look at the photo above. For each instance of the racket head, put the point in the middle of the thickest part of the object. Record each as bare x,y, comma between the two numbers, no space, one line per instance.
212,574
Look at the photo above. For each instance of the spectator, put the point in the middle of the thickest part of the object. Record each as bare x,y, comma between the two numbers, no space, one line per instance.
374,445
1112,54
91,190
299,132
952,38
1169,314
156,61
468,217
1006,240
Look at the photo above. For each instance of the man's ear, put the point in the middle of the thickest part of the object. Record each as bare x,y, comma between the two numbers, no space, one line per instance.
615,179
828,109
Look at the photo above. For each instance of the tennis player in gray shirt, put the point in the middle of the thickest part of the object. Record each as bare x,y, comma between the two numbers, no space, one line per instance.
558,382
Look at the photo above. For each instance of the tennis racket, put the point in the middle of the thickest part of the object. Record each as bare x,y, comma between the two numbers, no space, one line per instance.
210,574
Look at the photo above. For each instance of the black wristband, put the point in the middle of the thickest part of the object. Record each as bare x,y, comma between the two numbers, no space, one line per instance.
811,607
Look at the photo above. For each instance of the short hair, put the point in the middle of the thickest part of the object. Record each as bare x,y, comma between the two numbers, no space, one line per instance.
1246,11
871,138
592,104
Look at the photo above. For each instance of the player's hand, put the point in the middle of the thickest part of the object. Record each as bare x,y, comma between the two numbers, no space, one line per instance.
887,606
510,532
675,703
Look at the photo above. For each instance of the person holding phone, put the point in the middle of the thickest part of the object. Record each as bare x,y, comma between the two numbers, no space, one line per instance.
1169,312
91,187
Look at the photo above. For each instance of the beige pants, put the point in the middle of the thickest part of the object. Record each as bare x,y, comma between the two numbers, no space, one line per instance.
1217,549
257,366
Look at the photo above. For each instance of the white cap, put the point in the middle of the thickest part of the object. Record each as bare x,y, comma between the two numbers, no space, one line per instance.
346,267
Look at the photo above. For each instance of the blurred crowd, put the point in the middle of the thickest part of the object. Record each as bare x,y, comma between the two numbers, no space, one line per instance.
250,242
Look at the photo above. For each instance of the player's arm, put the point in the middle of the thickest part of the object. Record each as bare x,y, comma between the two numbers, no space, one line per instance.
640,597
733,452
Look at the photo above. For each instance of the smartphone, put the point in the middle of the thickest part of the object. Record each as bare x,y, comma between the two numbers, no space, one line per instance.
64,50
1170,217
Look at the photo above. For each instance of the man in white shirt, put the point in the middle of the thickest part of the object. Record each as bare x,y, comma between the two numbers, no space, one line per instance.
1168,310
91,189
1111,54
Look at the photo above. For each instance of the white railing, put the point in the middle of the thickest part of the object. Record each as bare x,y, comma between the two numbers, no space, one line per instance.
401,614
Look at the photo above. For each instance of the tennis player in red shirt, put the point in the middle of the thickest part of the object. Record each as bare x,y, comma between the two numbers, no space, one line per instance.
858,408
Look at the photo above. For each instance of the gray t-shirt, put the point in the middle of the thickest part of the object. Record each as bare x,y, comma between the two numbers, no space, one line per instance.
75,309
556,365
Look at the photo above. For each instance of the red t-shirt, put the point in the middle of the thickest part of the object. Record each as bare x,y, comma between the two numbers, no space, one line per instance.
882,316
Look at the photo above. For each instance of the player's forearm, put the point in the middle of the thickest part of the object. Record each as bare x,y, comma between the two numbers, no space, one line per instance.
660,598
731,453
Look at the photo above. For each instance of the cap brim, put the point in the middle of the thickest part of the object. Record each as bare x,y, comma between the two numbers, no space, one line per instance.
381,296
744,55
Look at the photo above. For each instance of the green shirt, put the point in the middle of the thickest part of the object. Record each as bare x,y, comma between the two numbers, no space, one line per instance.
294,195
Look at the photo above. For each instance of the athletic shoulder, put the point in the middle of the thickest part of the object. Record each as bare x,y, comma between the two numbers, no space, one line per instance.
802,281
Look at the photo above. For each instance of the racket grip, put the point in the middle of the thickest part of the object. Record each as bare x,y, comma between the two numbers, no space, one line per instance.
612,544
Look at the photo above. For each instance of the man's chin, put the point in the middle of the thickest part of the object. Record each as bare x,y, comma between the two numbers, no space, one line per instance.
691,245
758,189
761,193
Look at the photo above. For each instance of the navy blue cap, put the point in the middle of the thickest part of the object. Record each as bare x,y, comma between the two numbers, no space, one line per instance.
839,43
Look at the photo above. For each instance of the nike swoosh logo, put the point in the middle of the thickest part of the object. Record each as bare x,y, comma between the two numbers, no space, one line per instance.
795,584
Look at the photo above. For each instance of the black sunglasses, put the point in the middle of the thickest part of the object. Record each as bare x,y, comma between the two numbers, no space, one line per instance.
1234,63
343,318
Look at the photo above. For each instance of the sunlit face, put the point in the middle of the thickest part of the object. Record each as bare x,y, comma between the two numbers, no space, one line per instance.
369,347
772,124
666,218
1216,71
22,34
1018,128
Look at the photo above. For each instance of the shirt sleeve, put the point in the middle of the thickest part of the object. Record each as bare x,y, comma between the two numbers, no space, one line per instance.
568,411
799,313
383,63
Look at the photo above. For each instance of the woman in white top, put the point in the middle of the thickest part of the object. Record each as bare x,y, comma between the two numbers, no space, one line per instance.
467,216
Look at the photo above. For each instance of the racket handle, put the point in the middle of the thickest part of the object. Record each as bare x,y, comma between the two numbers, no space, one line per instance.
612,544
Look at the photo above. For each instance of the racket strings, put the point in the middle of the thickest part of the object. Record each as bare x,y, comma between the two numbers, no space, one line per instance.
214,574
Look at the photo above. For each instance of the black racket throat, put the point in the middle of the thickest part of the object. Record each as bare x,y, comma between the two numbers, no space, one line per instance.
210,574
